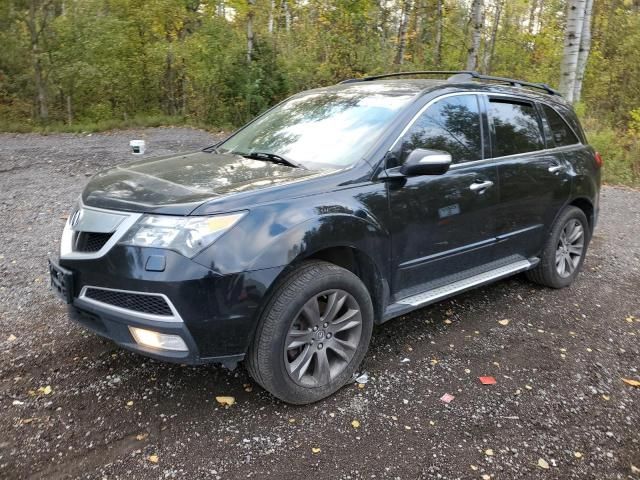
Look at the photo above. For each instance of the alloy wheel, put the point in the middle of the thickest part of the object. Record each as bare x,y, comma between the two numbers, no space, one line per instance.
570,248
323,338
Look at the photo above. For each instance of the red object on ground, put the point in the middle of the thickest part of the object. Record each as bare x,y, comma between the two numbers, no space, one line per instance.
487,380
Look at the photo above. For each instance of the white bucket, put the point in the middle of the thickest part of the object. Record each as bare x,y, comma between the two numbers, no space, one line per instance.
137,147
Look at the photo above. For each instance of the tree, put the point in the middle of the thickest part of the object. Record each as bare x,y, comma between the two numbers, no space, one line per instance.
571,50
437,54
477,20
583,51
402,32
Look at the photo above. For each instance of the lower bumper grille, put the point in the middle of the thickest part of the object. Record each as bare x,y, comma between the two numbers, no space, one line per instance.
150,304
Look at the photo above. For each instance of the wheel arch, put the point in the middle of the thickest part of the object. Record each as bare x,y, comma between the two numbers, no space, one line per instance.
584,204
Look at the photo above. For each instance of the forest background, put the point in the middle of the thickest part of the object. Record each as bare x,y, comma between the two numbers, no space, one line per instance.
91,65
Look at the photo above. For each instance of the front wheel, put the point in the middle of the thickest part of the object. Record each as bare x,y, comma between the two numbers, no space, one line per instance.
313,333
564,251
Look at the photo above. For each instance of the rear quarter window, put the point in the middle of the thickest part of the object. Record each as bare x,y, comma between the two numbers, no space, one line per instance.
516,127
561,133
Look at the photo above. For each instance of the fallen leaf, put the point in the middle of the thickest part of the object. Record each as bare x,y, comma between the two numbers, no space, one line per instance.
315,450
355,424
248,389
486,476
528,387
448,313
434,361
633,383
17,402
407,427
542,463
504,322
577,454
12,338
606,397
466,370
142,436
635,469
447,398
487,380
45,390
488,452
292,420
361,385
130,403
227,401
630,318
447,321
153,458
473,467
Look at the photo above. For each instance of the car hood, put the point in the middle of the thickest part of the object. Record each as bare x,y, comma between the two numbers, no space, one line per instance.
179,184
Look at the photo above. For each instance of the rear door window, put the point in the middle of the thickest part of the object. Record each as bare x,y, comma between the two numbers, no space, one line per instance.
451,125
516,126
561,134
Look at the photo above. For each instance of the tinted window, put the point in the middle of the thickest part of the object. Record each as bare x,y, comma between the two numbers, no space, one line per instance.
516,126
451,125
560,131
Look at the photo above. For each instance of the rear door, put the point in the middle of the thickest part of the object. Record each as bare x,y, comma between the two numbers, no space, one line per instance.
533,175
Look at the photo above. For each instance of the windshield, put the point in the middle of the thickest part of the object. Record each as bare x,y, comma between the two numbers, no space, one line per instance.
322,129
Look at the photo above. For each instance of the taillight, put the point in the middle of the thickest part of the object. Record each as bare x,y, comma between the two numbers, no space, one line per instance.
598,159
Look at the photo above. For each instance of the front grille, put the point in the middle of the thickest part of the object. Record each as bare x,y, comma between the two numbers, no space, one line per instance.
90,241
150,304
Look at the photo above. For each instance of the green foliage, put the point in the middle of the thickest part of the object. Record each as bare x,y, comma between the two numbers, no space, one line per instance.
107,63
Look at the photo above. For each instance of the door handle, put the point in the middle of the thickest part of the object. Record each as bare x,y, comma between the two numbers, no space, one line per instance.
480,186
555,168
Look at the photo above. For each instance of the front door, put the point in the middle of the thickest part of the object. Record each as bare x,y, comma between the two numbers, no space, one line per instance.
442,224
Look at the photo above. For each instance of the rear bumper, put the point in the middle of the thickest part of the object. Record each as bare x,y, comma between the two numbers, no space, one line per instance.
215,315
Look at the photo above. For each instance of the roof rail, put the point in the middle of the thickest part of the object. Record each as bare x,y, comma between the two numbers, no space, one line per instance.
461,75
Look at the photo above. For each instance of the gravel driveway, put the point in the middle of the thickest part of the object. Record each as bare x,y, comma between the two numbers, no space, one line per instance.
74,405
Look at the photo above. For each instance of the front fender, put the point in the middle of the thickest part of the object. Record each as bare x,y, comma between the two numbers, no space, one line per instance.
274,235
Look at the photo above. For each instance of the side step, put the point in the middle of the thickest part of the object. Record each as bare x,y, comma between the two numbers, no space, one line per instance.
431,296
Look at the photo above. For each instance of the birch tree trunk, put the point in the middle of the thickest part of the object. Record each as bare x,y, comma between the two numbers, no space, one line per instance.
585,48
287,15
437,54
532,15
250,14
477,24
571,49
272,7
402,32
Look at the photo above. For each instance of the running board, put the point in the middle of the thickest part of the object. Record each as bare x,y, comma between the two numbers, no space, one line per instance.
431,296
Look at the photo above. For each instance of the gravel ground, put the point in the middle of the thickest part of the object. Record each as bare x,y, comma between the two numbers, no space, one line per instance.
74,405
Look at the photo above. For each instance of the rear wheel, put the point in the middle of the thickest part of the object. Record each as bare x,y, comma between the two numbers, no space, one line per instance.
564,250
313,333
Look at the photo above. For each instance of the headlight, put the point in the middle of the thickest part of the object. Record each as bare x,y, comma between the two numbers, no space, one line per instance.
186,235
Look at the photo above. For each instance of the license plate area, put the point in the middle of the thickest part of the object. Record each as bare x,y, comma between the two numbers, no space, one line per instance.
61,281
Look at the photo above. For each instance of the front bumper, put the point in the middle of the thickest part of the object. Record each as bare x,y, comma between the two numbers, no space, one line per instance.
215,315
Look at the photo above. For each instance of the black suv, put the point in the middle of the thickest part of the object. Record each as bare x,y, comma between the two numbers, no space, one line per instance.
339,208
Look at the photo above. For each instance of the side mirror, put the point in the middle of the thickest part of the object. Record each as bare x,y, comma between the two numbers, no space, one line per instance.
426,162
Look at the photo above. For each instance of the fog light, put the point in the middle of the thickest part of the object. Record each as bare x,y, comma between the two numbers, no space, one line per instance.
162,341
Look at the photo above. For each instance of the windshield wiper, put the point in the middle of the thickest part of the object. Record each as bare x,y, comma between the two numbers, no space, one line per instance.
272,157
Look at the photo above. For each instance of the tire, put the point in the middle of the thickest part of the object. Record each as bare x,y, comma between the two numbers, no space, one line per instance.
290,317
547,272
